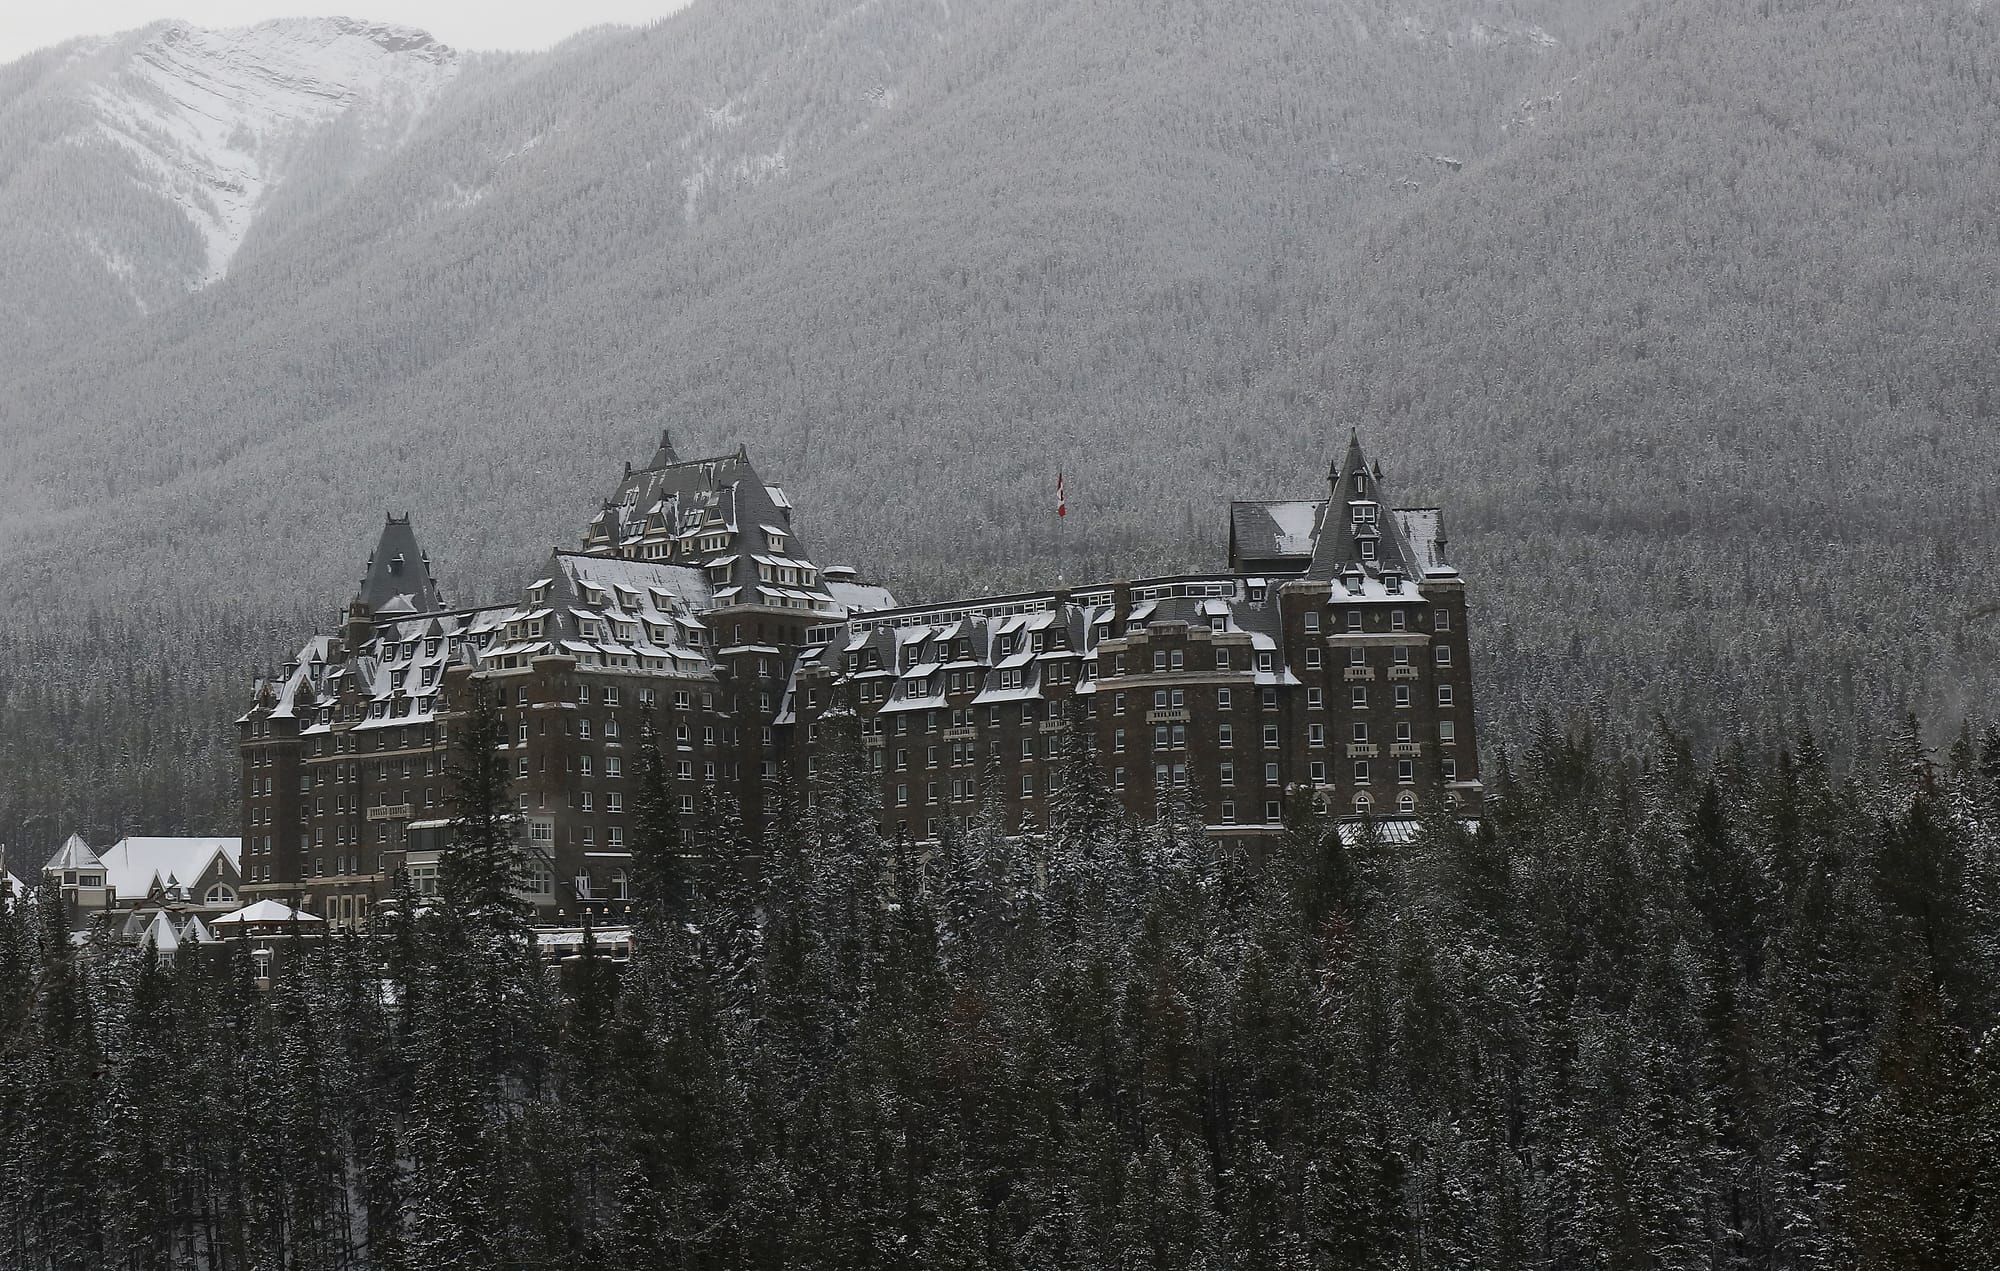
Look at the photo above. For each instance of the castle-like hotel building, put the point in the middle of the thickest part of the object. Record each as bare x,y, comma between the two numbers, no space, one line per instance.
1331,657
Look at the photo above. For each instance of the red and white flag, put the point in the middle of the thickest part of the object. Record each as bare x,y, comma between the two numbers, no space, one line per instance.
1062,507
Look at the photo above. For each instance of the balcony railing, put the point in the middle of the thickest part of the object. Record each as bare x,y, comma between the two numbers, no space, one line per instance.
1404,671
1362,750
1354,673
962,733
1172,716
389,812
1407,749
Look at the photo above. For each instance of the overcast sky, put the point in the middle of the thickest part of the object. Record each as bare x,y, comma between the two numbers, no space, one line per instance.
26,25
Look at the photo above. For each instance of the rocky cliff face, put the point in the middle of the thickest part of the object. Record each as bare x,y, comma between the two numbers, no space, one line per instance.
133,167
211,121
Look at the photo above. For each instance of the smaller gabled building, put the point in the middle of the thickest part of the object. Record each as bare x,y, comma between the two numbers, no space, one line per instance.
181,876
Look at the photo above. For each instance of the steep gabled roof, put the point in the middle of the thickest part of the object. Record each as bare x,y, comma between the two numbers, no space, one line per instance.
160,935
398,579
134,866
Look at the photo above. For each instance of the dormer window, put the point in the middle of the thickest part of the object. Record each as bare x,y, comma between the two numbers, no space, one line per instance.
396,565
1367,549
1392,580
1360,483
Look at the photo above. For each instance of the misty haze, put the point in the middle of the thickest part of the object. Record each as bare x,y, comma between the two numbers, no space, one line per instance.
1356,634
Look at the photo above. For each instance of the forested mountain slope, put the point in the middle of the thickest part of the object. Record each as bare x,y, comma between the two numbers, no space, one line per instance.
1675,308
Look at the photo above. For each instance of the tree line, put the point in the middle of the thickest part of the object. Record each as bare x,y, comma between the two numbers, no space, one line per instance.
1651,1012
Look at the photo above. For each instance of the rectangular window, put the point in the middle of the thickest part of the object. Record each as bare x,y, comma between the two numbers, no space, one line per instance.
1406,771
1358,697
1270,774
1448,732
1222,659
1361,772
1357,656
1264,661
1315,734
1449,767
1027,783
1312,655
1117,739
1442,620
1225,735
1444,655
1272,813
1117,778
1227,774
1444,695
1395,620
1270,736
1360,731
1312,619
1319,772
1222,699
1229,812
1402,695
1315,699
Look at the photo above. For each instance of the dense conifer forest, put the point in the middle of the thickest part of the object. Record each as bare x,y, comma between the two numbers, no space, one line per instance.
1656,1012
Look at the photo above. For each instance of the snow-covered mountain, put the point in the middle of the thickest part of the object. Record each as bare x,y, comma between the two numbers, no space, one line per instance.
134,167
213,119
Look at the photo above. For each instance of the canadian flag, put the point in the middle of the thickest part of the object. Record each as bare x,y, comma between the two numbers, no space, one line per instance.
1062,508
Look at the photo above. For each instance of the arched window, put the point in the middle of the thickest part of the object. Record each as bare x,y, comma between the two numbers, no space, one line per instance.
1407,803
220,894
1362,804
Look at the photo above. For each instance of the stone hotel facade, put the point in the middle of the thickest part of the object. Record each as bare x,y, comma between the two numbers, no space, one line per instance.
1331,657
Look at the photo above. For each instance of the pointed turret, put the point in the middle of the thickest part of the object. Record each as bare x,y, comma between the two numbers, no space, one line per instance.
73,854
1359,532
665,456
399,573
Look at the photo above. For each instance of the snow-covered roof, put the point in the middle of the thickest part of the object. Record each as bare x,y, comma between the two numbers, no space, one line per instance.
134,867
160,935
74,854
265,911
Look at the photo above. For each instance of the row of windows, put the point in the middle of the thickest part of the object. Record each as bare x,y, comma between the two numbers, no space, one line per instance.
1175,775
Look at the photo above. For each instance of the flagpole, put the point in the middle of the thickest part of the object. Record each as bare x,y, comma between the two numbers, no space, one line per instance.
1062,533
